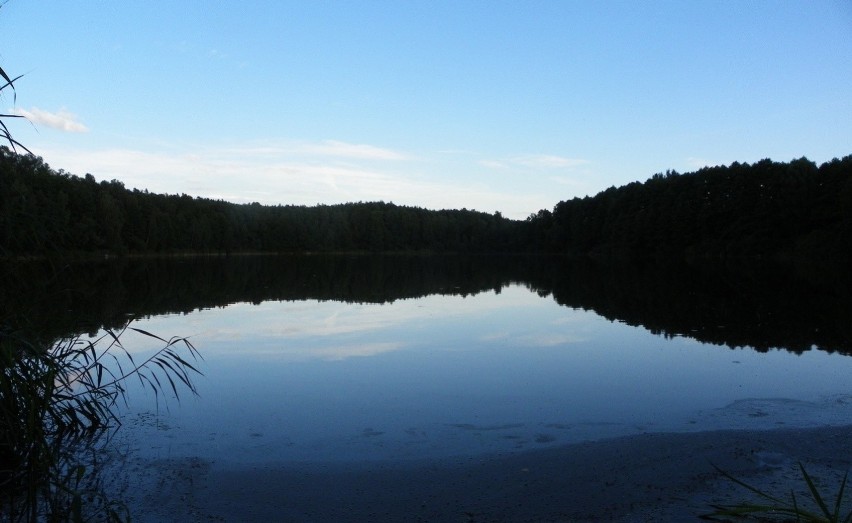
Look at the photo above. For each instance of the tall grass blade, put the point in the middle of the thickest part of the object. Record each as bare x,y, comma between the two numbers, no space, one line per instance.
747,486
57,399
783,508
839,500
814,492
146,333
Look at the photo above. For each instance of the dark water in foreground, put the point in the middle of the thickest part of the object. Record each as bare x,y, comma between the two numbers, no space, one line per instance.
396,357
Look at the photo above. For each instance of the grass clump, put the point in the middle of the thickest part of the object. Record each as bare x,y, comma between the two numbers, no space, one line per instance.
57,401
772,508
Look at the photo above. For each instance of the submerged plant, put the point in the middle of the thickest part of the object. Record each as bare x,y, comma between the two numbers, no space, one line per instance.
56,402
776,509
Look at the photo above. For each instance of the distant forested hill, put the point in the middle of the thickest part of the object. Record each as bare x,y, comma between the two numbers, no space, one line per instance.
45,211
765,209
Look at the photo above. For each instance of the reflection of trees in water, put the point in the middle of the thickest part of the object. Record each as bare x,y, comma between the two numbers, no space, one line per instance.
761,305
764,306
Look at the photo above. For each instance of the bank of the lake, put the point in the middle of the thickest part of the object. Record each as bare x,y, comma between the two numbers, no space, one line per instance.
651,477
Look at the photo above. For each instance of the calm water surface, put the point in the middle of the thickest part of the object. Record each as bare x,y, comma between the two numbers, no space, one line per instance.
444,375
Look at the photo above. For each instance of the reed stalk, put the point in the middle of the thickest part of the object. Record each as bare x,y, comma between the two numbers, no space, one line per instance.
57,402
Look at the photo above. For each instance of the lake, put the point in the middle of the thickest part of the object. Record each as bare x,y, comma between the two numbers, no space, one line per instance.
453,375
388,357
335,359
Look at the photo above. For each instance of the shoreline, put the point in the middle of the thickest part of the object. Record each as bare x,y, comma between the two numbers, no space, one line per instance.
647,477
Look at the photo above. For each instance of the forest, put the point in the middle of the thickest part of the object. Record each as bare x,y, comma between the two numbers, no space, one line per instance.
47,211
766,209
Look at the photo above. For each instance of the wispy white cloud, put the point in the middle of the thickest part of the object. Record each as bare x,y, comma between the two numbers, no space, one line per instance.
321,149
351,150
549,339
325,330
300,173
217,54
336,352
493,164
542,161
548,160
62,119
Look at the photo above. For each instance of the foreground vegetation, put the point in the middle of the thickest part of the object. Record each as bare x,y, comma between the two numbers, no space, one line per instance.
57,403
818,509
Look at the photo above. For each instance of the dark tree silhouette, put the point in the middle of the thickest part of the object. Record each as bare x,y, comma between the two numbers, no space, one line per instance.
765,209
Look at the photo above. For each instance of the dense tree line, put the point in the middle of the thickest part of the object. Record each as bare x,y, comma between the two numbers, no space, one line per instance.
763,209
53,211
767,208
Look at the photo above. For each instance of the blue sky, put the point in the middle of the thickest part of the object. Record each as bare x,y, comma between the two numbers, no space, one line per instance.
509,106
